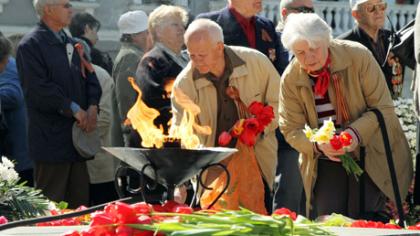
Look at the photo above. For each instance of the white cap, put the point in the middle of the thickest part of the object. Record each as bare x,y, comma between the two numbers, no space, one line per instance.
133,22
355,3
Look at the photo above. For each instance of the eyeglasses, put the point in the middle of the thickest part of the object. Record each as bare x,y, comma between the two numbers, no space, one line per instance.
378,6
65,5
302,9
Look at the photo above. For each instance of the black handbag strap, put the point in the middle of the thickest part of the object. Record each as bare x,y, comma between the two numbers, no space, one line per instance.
391,166
362,204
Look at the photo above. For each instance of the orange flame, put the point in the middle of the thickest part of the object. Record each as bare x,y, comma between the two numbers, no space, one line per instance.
141,118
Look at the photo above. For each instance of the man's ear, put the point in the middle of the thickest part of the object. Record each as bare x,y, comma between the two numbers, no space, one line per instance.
220,47
86,29
355,14
283,12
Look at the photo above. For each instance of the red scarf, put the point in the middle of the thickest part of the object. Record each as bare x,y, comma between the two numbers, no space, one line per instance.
322,78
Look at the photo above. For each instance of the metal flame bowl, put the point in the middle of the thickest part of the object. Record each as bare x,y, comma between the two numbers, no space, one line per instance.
170,166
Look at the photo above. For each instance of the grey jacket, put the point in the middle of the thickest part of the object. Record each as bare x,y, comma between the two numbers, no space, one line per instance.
125,66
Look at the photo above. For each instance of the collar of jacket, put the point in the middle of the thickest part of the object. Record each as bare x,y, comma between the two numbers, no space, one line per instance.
239,69
131,46
338,63
48,34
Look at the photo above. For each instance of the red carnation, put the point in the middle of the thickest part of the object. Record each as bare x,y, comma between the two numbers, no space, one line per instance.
251,129
255,108
265,117
345,139
285,212
336,142
224,139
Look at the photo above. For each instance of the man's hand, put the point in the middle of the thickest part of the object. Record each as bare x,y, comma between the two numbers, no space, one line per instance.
180,194
92,116
330,152
81,118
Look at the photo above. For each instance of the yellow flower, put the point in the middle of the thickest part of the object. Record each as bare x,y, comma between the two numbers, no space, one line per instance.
328,128
308,132
321,137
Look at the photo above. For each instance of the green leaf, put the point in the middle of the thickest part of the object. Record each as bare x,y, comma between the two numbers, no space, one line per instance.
62,205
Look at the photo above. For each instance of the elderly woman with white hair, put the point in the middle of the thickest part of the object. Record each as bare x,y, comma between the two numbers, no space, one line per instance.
158,69
339,80
160,66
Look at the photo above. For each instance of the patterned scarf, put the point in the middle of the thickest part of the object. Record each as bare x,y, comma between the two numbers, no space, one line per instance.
322,78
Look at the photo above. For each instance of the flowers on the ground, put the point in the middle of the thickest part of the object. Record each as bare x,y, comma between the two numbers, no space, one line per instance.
247,130
18,201
404,109
285,212
327,134
3,220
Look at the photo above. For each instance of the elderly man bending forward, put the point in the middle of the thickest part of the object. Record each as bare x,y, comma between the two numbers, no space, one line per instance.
215,66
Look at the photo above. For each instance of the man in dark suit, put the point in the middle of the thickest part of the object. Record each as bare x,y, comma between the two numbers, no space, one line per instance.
60,88
370,19
243,27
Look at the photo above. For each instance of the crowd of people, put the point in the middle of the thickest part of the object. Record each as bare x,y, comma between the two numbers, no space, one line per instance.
54,85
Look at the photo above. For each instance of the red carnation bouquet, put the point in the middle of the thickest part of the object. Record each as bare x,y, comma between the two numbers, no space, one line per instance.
247,130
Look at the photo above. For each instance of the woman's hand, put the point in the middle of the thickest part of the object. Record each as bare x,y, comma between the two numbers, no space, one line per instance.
330,152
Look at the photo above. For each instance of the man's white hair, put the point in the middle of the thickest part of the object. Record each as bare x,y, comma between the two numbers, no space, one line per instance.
40,4
307,27
214,31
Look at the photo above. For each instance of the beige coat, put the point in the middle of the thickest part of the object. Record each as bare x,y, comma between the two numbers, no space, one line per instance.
256,80
364,87
102,168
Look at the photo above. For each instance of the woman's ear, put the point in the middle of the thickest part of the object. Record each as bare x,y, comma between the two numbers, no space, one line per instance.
86,29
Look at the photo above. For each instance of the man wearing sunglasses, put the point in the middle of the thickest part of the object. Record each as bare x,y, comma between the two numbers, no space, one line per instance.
61,89
369,16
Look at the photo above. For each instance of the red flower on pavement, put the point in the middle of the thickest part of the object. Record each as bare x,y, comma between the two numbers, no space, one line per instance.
144,220
142,208
373,224
101,218
415,227
121,213
285,212
123,230
3,220
183,210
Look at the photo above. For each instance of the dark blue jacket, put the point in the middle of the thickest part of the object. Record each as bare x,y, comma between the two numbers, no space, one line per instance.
234,35
15,143
50,84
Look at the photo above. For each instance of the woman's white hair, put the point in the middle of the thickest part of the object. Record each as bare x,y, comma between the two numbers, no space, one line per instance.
160,17
214,31
307,27
40,4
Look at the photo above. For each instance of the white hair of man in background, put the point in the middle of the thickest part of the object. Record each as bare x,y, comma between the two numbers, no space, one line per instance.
40,4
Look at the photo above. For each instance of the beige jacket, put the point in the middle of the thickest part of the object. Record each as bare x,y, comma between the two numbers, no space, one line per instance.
256,80
364,87
102,168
